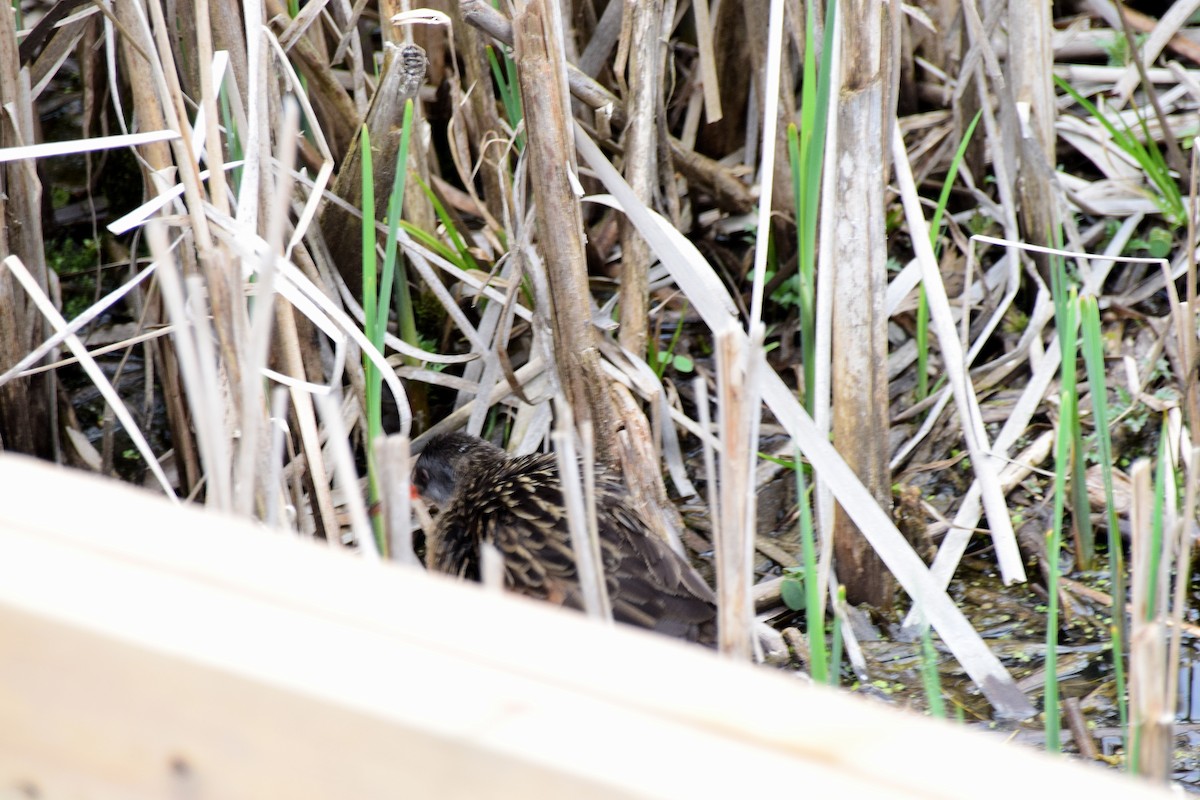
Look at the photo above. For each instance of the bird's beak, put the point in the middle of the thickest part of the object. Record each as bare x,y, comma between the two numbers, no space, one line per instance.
413,493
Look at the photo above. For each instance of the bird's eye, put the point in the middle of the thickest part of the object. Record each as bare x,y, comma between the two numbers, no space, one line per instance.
420,477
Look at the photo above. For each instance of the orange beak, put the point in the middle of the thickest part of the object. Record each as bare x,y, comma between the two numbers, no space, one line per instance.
412,492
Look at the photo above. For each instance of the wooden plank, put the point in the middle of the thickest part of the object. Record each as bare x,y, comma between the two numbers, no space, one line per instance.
148,649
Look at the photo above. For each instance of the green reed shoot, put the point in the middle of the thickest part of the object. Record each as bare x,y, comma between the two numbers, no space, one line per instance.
1153,593
510,90
1066,306
465,259
659,359
835,649
391,262
370,297
814,609
929,674
1147,155
935,225
377,295
806,150
1163,478
435,245
1093,356
233,138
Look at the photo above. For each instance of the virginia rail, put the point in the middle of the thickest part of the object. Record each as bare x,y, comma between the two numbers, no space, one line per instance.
516,504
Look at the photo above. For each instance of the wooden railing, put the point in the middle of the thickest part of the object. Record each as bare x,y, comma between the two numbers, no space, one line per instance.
153,650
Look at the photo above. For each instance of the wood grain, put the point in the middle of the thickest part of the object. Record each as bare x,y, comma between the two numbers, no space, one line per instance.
152,650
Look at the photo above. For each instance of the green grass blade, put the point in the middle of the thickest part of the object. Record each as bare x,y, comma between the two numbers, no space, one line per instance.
434,244
1066,303
921,337
659,359
814,608
929,675
935,223
369,274
374,380
408,327
1148,157
1085,535
233,139
935,226
835,648
447,221
803,249
1158,523
807,152
1093,353
509,88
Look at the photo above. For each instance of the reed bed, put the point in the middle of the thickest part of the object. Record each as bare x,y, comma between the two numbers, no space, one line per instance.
876,306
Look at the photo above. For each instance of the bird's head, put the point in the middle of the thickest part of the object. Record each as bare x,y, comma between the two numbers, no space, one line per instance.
446,460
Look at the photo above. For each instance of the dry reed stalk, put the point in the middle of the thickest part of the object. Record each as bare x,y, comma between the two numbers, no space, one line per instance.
767,74
559,223
769,81
251,469
209,414
1029,61
739,410
981,62
27,418
728,191
291,343
403,74
222,280
696,278
1164,33
1082,736
640,142
708,61
639,447
860,386
604,35
346,477
1190,354
1184,536
214,152
278,499
339,112
46,308
1177,16
551,161
953,360
482,126
579,498
1150,720
291,366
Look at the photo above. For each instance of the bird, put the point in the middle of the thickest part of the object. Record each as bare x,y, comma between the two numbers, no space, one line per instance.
516,504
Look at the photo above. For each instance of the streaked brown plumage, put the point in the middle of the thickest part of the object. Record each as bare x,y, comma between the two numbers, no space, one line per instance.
517,505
